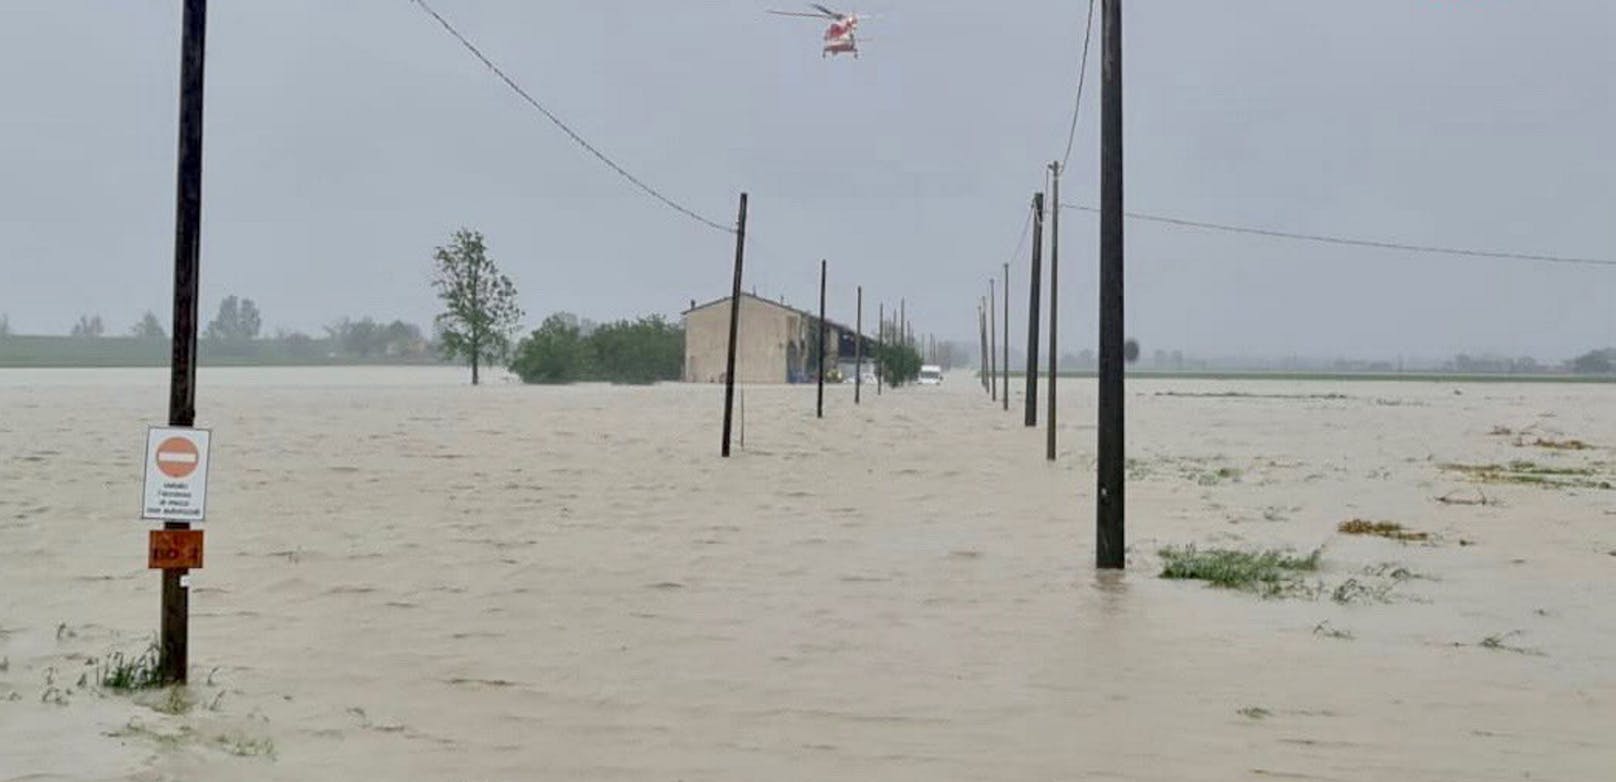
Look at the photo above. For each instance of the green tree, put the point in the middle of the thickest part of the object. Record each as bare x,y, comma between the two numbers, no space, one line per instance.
149,327
238,321
89,326
401,339
639,352
362,338
1595,362
554,353
900,363
481,311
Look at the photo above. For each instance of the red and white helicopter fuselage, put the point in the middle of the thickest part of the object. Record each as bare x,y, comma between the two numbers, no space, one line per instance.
841,37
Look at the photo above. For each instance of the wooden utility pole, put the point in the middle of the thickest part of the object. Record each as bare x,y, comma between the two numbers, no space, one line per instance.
173,647
982,327
993,342
903,322
858,347
1054,308
1031,416
880,340
1006,365
734,325
819,409
1110,506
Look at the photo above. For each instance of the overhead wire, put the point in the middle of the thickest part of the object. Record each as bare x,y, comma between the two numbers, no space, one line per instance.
1082,76
574,135
1352,242
1022,242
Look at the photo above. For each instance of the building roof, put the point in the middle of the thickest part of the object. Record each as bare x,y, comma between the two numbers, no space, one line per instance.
772,303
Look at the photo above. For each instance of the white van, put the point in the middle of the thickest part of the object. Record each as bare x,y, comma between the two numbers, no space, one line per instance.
930,375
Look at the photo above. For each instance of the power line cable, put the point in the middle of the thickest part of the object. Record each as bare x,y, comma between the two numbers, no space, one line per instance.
1022,242
651,191
1082,74
1341,240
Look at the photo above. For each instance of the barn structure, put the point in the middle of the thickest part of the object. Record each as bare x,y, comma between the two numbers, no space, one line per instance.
774,343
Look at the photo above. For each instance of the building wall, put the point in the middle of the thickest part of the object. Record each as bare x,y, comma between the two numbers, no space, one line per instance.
762,348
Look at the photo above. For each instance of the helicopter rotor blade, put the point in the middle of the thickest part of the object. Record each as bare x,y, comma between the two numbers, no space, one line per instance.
827,11
796,13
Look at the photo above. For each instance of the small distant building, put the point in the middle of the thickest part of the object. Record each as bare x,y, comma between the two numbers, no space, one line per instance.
774,342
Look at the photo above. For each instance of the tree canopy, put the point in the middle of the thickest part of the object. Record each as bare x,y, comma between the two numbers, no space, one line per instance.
149,327
566,350
88,326
480,311
238,321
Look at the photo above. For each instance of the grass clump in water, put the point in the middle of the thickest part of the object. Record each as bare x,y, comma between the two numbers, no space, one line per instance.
1560,445
1220,475
244,746
1527,473
1390,530
1271,572
130,673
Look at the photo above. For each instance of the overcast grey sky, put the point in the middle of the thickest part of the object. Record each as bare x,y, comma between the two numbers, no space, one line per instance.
346,139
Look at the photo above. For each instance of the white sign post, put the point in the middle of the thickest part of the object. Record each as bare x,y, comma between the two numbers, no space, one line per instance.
176,474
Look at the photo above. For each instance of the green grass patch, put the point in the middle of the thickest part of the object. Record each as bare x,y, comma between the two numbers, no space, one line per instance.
122,673
1271,573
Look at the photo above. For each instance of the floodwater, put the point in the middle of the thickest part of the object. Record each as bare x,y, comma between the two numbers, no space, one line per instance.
411,579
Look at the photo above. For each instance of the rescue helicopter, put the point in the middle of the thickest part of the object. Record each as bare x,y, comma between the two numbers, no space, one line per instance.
841,36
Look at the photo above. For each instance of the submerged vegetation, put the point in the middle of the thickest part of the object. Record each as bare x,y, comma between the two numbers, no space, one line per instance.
1271,573
1530,473
1390,530
140,672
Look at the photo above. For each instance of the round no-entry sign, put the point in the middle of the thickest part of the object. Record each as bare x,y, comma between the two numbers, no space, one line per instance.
177,457
176,485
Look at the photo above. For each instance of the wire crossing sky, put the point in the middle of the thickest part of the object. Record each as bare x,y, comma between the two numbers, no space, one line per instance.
582,142
1082,75
1342,240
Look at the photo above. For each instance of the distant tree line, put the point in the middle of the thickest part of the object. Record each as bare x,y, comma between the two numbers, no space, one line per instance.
1595,362
565,349
236,331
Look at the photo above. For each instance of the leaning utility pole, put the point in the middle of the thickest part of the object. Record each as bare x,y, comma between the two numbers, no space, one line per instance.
1110,541
734,326
1031,417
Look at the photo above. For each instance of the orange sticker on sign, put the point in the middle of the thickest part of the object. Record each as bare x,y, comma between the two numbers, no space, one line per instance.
174,549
